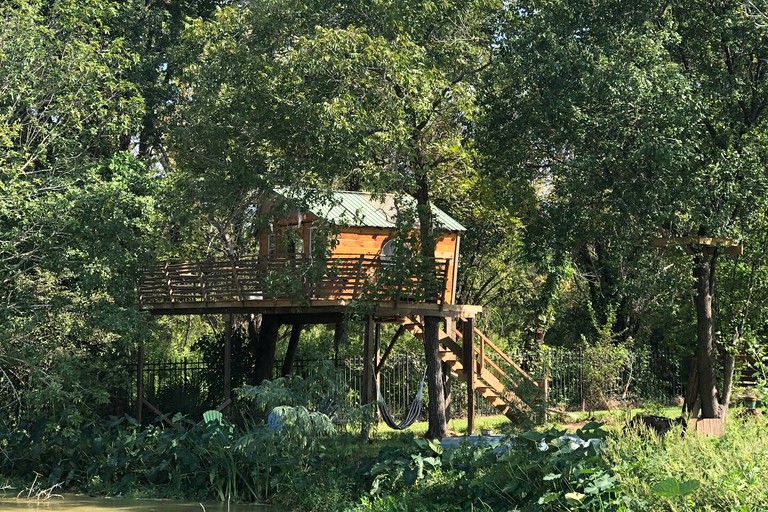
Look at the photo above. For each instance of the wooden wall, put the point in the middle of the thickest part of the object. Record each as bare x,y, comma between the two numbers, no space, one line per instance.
368,241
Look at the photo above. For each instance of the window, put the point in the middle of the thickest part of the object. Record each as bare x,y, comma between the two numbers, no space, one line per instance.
312,235
387,250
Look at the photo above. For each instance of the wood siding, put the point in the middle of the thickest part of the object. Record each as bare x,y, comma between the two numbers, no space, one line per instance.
366,241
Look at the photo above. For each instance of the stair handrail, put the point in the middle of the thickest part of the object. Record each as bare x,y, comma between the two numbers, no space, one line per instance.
504,356
486,341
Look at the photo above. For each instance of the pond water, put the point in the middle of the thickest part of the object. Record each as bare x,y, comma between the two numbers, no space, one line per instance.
70,503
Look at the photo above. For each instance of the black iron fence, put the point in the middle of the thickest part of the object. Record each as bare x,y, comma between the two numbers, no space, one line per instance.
649,375
192,386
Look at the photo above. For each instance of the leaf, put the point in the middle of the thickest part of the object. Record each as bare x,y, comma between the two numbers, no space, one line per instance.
689,487
532,436
549,497
551,476
575,496
602,483
213,416
436,446
410,476
671,488
667,488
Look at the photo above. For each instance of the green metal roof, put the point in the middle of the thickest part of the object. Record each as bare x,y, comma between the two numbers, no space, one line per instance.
361,209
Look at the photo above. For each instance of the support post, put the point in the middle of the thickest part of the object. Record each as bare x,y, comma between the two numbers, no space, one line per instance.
469,369
376,367
438,425
140,382
367,381
367,384
400,331
227,359
339,338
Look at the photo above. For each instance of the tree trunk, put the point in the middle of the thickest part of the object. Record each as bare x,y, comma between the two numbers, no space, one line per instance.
265,349
290,352
340,338
254,327
437,421
447,391
704,272
691,391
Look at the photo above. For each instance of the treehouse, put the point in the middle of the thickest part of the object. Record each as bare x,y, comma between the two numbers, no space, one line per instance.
358,232
316,261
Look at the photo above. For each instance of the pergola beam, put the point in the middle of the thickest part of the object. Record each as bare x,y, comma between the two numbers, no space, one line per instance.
728,246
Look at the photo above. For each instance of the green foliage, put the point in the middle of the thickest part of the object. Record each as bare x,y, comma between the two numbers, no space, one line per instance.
602,363
210,459
210,346
694,472
76,210
546,471
321,392
628,121
398,466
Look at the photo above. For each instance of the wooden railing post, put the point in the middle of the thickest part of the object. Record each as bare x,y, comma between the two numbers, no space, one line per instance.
168,282
359,275
481,358
236,281
469,369
444,281
203,289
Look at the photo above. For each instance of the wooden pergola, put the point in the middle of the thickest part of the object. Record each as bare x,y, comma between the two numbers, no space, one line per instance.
728,246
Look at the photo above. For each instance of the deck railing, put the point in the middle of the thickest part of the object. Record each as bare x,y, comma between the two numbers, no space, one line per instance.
297,279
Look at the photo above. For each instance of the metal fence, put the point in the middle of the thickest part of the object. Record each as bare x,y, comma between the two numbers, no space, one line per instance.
191,385
650,375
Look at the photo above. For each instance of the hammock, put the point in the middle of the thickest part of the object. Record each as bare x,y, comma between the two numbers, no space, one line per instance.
413,411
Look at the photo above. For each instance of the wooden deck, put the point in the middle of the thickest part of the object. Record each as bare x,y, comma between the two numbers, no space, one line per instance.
296,286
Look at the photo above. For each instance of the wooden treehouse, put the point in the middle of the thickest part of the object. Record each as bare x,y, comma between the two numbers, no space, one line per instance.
288,283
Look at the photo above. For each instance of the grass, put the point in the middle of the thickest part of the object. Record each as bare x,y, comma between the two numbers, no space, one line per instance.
731,470
457,426
618,415
500,422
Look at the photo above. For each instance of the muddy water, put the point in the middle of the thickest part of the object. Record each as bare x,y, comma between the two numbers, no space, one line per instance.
85,504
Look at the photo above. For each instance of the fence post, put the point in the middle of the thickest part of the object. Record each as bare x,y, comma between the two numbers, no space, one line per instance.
227,357
581,379
139,382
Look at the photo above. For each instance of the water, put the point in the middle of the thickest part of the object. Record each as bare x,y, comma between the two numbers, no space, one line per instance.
70,503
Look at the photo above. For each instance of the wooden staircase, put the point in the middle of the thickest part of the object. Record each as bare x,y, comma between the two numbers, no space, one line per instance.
495,376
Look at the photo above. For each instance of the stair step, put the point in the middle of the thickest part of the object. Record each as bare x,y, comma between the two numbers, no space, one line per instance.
487,384
448,356
497,402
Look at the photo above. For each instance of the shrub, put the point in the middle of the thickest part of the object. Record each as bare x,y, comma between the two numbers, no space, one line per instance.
603,361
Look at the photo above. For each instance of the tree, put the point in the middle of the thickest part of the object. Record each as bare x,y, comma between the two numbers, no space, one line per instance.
379,94
75,210
642,119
